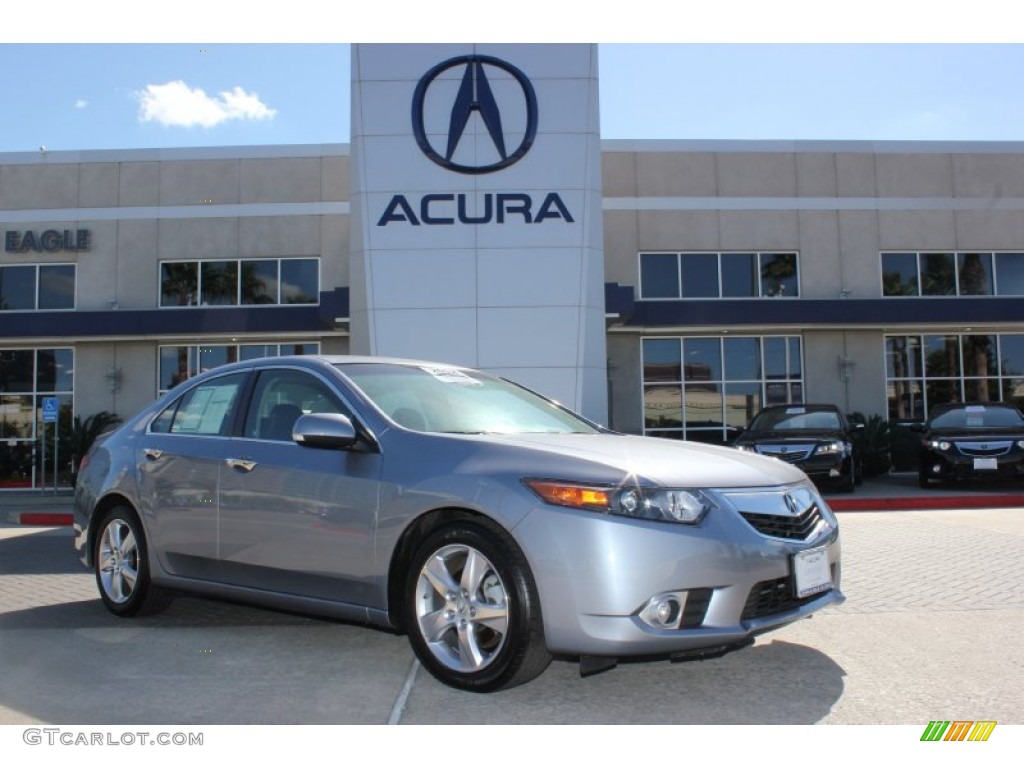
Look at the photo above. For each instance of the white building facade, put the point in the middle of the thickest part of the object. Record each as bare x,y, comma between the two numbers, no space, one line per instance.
667,288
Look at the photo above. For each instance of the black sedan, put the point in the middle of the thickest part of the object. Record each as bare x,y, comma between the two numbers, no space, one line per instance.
972,440
816,438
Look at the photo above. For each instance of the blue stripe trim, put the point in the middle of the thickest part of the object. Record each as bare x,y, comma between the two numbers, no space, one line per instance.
815,312
178,322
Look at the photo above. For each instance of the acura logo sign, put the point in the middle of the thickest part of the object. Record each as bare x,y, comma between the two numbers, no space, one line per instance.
474,95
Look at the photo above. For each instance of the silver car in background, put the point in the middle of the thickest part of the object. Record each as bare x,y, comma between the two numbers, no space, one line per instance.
493,526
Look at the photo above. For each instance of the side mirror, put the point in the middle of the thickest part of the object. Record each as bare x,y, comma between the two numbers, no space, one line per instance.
325,430
915,426
858,427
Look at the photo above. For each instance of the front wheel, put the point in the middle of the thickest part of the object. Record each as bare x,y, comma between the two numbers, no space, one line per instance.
472,610
122,566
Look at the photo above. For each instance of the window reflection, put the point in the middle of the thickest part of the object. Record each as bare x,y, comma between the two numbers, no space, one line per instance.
230,282
899,274
725,381
937,274
974,274
17,288
1010,274
778,274
180,363
957,368
715,275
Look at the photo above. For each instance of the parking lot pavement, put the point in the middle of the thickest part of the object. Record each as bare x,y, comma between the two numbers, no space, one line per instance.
930,630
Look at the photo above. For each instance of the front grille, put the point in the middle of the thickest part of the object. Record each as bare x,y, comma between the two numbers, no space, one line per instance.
984,450
790,453
797,527
774,596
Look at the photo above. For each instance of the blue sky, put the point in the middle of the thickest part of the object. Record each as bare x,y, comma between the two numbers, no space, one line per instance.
93,88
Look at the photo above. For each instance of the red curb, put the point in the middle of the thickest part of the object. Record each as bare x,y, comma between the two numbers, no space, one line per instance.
44,518
924,502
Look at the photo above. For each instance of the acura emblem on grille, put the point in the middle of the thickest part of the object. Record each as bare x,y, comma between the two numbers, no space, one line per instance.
790,503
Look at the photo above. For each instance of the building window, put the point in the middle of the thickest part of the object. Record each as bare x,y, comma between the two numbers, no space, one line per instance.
706,388
227,283
952,274
924,370
37,286
718,275
180,363
26,377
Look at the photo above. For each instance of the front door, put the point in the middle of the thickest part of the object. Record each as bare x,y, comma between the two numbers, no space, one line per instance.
296,519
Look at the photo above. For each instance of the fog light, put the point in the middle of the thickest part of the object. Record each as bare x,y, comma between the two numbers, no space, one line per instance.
936,469
664,611
833,472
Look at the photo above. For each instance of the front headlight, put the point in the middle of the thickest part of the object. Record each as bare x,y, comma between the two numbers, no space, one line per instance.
829,449
674,505
939,445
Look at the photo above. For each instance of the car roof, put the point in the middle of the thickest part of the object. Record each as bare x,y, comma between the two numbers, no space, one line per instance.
804,406
315,360
943,407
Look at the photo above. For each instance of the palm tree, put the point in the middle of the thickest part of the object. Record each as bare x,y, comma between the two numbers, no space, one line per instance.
84,432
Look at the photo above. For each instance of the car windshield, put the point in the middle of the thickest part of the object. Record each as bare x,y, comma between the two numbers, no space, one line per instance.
977,416
444,399
795,419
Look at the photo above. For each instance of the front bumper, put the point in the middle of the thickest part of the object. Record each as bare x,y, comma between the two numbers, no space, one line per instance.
955,466
596,573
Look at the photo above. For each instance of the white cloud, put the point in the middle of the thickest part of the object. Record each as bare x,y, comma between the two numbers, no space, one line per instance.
81,103
176,104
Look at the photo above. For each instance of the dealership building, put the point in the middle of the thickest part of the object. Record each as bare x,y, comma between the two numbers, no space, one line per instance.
671,288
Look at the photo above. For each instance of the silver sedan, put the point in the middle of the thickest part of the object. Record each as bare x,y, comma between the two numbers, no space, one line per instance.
492,525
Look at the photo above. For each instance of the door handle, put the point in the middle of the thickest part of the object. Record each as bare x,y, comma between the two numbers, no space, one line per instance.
152,453
243,464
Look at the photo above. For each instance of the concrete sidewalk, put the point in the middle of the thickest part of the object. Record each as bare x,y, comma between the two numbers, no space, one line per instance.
930,629
36,507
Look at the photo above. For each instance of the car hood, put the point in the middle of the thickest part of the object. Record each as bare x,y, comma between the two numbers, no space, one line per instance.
790,436
661,461
976,434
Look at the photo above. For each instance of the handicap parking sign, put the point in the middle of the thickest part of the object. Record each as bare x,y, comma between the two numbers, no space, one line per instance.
50,405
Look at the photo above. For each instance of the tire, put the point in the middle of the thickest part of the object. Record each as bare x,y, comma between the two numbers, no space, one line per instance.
922,478
121,562
472,610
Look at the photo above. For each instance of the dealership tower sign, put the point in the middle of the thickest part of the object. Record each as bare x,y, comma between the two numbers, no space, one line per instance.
476,212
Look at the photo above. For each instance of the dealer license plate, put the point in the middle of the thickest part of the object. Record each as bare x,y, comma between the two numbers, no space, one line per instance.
812,572
986,464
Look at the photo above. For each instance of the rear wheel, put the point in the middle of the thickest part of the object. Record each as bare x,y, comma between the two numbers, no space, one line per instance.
472,610
122,566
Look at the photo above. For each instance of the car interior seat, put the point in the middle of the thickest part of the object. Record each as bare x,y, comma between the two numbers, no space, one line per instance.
279,422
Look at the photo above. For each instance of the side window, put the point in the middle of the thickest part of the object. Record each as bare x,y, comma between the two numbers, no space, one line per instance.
203,410
281,396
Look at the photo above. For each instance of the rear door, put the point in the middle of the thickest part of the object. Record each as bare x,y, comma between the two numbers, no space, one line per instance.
178,470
